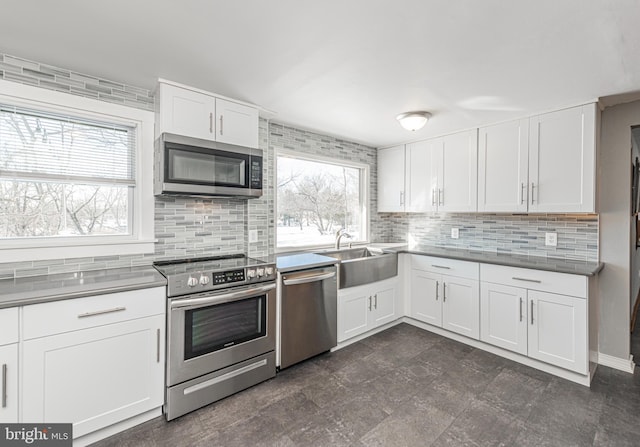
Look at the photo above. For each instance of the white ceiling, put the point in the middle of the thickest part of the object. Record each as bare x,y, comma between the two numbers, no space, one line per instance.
348,67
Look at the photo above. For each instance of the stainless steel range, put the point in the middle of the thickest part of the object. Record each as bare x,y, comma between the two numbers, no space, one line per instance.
220,328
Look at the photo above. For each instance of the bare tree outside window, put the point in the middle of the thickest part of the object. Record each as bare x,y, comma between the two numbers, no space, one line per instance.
317,199
63,177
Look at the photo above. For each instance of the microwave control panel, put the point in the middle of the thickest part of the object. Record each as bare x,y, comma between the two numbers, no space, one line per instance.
256,173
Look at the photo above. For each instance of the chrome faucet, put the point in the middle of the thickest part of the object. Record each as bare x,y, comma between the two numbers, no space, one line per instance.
339,235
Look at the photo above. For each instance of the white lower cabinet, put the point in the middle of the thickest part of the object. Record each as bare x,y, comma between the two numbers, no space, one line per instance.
9,377
444,300
366,307
109,368
534,321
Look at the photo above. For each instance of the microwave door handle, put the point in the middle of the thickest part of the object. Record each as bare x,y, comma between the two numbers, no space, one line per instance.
222,298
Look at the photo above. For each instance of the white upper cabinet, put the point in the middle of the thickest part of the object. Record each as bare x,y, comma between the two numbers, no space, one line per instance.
562,160
457,177
503,167
440,174
194,113
185,112
236,123
391,179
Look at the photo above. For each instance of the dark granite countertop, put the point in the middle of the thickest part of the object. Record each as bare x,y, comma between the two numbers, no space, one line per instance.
583,268
291,262
61,286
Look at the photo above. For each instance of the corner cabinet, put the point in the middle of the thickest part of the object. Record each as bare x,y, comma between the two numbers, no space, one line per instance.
540,314
99,362
542,164
366,307
445,293
195,113
439,174
9,373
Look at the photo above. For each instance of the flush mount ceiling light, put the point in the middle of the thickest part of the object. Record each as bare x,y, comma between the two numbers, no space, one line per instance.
413,120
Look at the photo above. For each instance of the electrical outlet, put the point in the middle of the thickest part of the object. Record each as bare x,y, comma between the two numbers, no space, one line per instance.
551,239
455,233
253,236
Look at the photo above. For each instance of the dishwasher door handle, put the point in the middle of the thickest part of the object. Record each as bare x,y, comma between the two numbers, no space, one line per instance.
307,278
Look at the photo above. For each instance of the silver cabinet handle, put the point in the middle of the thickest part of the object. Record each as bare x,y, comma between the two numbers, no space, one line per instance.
4,385
101,312
375,302
433,197
158,344
520,309
444,292
437,287
401,198
531,311
369,303
211,122
537,281
440,266
440,196
221,124
522,193
532,189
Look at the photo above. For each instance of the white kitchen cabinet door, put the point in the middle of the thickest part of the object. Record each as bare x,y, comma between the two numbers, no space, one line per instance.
353,312
426,297
503,316
185,112
503,167
391,170
236,123
95,377
558,330
421,176
562,161
458,178
461,306
384,306
9,384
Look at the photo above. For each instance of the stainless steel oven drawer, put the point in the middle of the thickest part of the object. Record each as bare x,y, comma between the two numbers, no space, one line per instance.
196,393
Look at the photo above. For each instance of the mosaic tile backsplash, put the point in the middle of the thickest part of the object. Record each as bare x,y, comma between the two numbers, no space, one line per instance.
194,227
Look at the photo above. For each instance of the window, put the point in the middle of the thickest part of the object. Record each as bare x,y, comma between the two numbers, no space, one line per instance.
318,197
62,176
74,173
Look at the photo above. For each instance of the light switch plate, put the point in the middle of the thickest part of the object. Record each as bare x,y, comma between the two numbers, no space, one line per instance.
455,233
551,239
253,236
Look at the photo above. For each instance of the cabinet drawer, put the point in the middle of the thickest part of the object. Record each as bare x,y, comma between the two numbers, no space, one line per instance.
562,283
9,325
445,266
71,315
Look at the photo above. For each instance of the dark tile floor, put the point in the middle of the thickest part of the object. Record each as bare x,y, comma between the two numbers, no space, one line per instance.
409,387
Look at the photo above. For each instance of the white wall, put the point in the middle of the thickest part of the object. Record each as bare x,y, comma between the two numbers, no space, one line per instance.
614,194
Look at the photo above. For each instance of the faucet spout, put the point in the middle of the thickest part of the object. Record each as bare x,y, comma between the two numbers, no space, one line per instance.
339,235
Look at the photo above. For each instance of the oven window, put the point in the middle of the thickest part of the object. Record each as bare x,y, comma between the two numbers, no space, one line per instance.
217,327
206,168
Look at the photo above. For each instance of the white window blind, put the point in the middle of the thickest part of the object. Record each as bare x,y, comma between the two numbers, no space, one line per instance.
46,147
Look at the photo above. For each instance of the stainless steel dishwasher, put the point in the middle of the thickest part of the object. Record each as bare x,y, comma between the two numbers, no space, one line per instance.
308,314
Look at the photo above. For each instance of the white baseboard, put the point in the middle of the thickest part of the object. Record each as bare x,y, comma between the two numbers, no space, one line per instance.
350,341
96,436
625,365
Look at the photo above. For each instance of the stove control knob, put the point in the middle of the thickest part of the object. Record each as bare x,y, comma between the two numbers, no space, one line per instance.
192,281
204,280
268,271
260,272
251,273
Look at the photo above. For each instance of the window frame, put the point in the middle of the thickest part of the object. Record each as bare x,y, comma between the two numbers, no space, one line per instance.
141,238
363,191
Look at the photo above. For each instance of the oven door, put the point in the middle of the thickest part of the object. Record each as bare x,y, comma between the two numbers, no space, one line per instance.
211,331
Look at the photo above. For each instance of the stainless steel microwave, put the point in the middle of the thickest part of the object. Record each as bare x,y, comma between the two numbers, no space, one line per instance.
186,166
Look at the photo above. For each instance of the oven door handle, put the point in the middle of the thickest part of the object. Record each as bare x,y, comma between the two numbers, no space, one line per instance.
222,298
303,279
